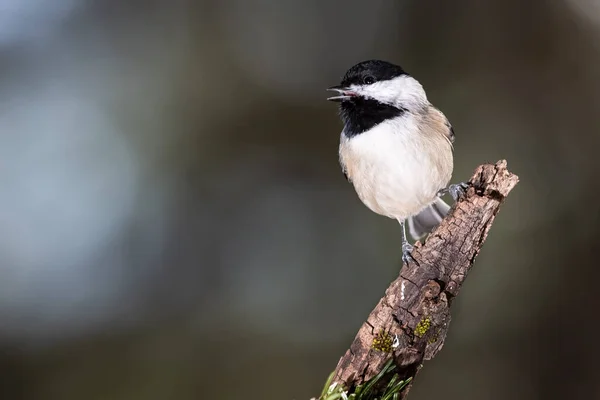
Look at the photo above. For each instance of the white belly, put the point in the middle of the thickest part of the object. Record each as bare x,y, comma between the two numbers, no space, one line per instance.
396,170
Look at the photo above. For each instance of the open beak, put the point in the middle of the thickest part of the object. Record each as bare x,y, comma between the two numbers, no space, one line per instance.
344,93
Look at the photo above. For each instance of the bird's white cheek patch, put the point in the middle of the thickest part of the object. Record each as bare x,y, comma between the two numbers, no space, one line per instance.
402,91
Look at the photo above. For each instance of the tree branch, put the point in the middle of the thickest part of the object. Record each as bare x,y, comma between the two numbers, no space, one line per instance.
410,323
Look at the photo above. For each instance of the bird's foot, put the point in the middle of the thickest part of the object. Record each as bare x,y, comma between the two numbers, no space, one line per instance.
407,249
456,190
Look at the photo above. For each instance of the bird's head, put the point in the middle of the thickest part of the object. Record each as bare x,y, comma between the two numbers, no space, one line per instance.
377,81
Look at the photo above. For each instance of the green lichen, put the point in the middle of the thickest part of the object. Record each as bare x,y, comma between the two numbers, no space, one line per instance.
422,327
383,342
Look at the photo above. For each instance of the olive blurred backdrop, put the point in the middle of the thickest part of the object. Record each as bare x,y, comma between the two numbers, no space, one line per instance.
174,223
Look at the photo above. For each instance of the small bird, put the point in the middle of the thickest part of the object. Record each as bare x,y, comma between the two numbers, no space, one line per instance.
395,147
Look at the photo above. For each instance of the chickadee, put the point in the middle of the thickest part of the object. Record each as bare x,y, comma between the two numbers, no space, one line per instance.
395,147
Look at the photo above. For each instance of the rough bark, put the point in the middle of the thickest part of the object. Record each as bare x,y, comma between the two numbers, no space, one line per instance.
415,310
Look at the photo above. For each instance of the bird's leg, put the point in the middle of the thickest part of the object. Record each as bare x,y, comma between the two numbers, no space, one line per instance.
456,190
406,247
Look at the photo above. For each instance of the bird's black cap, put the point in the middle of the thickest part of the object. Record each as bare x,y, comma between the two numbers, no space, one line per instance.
371,71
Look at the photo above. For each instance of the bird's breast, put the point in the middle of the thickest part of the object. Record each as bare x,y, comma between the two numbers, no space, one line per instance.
395,168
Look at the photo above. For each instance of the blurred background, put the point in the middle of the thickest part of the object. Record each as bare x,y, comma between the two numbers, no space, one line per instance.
174,223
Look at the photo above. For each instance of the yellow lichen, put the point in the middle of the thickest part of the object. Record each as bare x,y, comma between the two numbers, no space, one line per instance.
422,327
383,342
434,336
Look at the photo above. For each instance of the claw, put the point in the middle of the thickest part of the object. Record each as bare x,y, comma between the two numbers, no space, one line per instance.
407,248
458,190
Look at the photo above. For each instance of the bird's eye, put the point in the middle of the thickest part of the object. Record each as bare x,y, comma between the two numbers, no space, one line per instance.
368,80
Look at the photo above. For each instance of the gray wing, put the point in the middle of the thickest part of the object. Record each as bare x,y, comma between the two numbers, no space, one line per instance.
450,131
438,121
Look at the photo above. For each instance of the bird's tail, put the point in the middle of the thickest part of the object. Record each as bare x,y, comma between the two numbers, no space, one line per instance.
424,222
